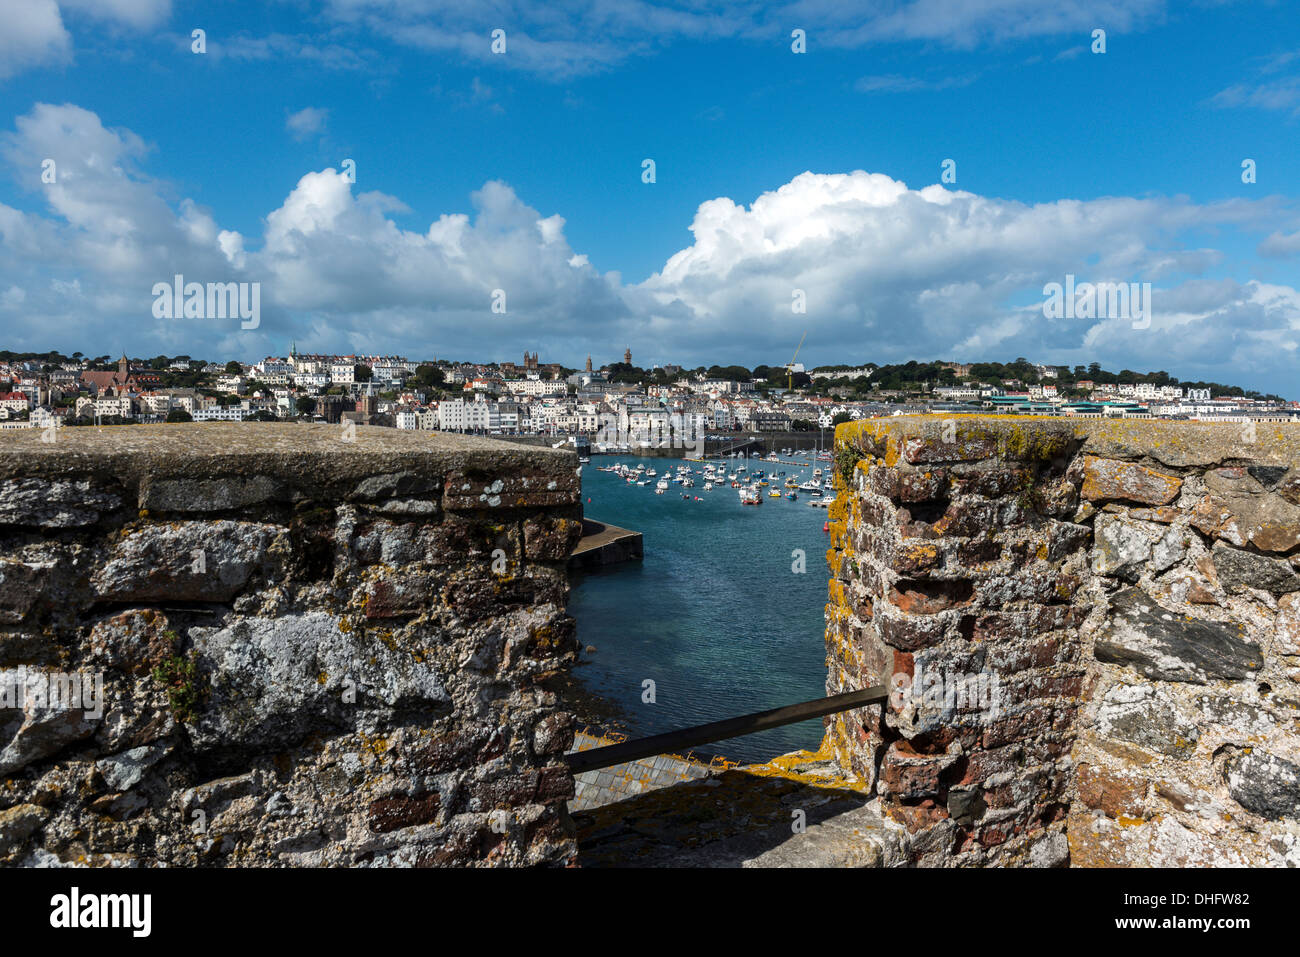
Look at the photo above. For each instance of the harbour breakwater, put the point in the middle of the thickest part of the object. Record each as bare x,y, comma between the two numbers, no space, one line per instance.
1131,590
304,646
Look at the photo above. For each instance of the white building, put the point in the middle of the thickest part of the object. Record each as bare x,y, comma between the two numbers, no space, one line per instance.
457,415
537,387
230,413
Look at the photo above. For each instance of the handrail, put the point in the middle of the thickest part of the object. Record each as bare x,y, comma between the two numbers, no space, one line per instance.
594,759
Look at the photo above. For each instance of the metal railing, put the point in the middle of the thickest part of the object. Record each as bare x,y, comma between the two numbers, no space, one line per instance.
594,759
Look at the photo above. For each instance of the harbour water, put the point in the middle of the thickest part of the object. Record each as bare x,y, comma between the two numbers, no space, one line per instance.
714,615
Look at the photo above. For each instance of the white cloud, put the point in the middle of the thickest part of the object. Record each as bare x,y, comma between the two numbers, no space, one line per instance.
1282,94
1280,245
306,122
140,14
895,83
889,272
34,34
574,37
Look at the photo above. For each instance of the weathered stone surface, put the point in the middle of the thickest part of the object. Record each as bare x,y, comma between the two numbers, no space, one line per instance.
198,561
1141,635
47,721
965,447
1286,634
396,594
1125,549
1289,485
17,824
21,584
551,541
421,508
124,771
1238,568
1128,761
1142,715
222,579
470,491
1264,783
1264,522
857,838
1268,476
1114,792
135,640
54,503
1106,479
209,495
1122,548
394,485
271,680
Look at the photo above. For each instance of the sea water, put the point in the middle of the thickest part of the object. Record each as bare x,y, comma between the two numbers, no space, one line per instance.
717,614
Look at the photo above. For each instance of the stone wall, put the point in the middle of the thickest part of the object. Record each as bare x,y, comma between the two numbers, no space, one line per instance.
312,651
1129,593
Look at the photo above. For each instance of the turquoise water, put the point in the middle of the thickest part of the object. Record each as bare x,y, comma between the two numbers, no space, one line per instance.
714,615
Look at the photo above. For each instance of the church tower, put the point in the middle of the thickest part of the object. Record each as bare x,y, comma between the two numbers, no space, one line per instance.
589,362
627,355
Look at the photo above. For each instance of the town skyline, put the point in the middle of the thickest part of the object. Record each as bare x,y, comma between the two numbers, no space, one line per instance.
603,405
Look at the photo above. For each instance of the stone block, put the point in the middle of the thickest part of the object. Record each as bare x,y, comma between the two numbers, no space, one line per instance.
1108,479
1160,644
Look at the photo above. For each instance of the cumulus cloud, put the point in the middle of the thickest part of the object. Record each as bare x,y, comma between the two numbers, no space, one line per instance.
888,272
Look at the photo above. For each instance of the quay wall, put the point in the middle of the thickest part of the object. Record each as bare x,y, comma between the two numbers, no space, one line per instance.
312,651
1130,590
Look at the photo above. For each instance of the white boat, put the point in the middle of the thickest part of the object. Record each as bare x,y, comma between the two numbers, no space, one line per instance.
750,496
708,486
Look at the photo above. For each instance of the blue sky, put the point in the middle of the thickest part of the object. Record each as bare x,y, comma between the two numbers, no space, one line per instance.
1115,166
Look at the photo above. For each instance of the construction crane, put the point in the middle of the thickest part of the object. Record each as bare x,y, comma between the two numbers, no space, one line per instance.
789,379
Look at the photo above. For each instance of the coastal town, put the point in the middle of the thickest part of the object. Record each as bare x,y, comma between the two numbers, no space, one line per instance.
608,405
